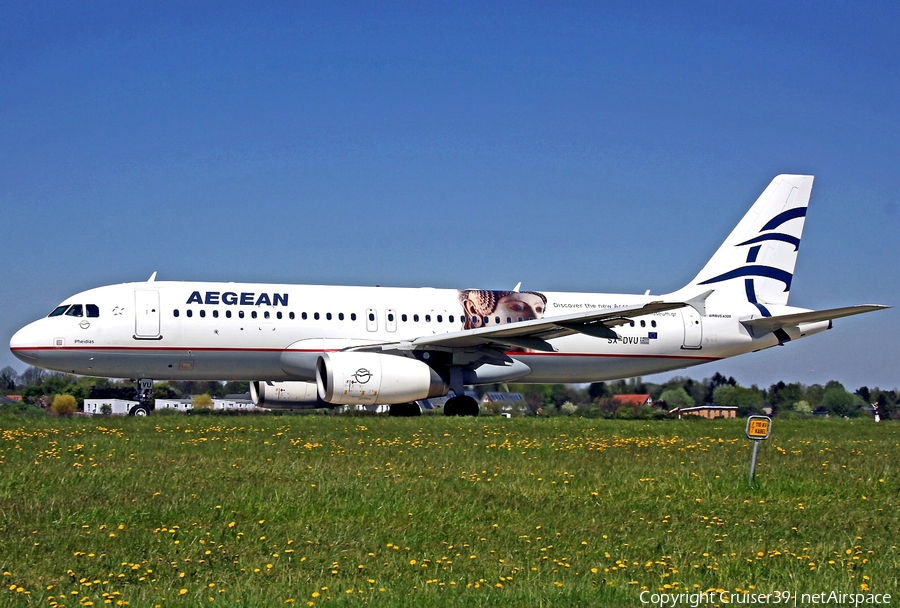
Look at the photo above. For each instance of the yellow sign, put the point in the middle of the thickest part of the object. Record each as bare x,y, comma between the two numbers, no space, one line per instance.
759,427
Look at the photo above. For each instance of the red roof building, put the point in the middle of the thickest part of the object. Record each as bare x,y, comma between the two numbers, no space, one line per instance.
632,400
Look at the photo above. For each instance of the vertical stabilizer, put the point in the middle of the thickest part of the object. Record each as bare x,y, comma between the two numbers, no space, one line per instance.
756,261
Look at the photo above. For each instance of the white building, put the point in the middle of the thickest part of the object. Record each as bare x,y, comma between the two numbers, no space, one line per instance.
179,405
119,407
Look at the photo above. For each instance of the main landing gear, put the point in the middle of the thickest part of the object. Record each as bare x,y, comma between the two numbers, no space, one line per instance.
461,406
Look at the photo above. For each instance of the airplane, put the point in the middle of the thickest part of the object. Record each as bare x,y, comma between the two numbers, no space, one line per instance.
307,346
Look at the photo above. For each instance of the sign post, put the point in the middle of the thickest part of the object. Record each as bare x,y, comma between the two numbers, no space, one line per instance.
758,429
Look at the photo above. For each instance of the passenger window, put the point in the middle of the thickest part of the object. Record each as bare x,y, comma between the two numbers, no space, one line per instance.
631,323
416,318
215,313
521,319
450,318
440,319
228,314
316,316
190,312
291,316
58,311
652,323
75,311
241,314
486,320
509,319
278,314
497,320
353,316
328,316
303,316
403,317
253,314
92,310
643,324
371,316
391,317
340,316
175,313
266,314
428,318
203,313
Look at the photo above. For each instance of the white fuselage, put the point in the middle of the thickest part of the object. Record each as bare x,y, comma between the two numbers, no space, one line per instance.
269,332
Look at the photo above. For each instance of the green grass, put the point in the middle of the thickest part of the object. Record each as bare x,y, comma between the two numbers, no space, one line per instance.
177,511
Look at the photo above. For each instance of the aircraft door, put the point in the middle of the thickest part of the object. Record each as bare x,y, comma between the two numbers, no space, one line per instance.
693,328
146,314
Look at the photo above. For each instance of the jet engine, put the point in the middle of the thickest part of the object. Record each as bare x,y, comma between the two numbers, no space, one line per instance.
353,378
286,395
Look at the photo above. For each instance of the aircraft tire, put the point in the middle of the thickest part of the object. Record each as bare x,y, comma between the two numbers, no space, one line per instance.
451,407
468,406
461,406
404,409
139,410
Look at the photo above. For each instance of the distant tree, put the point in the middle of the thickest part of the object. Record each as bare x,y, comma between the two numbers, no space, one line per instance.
32,376
202,402
677,397
747,400
713,383
597,390
783,396
802,407
568,408
9,379
863,393
162,390
64,405
839,402
885,401
236,388
814,395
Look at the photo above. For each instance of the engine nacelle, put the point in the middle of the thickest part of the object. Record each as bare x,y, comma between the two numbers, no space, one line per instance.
375,379
286,395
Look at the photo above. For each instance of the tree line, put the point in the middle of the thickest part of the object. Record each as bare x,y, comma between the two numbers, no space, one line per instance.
38,387
780,399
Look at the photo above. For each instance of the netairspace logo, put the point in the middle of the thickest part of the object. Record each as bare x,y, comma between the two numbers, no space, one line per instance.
694,600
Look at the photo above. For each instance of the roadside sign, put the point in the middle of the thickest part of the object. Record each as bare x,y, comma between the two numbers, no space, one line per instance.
759,427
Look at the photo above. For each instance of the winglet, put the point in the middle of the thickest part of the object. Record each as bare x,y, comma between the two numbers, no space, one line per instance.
152,277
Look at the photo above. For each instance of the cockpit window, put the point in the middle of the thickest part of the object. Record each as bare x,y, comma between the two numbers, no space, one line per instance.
76,310
58,310
93,310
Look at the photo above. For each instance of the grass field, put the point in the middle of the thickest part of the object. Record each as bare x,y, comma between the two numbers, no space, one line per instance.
332,511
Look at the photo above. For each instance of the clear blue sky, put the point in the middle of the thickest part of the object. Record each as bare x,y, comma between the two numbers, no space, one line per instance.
571,146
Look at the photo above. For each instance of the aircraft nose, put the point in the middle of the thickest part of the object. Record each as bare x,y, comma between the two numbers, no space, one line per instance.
24,343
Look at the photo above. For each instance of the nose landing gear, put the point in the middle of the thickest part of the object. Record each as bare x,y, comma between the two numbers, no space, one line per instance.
144,398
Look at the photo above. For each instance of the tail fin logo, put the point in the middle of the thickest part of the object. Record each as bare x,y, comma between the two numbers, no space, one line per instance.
760,270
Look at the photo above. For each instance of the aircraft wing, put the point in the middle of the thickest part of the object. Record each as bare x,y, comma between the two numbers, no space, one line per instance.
813,316
534,334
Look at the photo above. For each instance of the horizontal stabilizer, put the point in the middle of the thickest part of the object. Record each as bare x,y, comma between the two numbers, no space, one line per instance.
813,316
